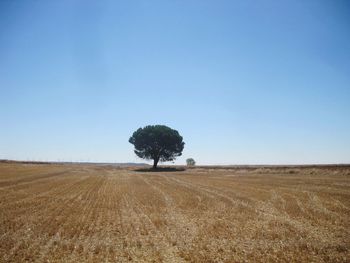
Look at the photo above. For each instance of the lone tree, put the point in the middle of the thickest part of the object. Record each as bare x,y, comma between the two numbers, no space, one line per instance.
190,162
157,143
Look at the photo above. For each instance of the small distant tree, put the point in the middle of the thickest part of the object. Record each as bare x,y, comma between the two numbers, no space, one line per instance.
157,143
190,162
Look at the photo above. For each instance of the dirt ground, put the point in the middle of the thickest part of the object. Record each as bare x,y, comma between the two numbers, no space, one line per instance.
90,213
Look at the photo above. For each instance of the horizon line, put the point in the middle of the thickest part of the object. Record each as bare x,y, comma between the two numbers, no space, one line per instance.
198,165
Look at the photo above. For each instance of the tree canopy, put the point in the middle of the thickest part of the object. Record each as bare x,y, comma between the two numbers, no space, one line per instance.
190,162
157,143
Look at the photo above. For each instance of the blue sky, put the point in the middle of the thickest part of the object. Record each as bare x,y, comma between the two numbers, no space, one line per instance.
244,82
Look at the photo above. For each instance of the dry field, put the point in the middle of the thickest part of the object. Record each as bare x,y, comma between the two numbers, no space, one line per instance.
77,213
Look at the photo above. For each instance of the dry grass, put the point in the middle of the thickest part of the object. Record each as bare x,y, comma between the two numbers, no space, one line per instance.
76,213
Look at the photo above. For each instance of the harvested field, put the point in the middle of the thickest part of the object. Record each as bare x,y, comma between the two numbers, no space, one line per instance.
90,213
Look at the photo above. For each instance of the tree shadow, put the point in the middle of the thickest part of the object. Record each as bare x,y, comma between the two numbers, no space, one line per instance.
160,169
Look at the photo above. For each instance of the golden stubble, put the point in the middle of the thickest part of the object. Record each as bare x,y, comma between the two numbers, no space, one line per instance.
87,213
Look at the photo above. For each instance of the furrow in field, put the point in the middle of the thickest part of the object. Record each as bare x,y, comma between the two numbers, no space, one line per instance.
20,195
212,192
104,214
176,228
47,216
28,180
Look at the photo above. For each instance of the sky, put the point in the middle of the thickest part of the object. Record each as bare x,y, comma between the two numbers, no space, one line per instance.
244,82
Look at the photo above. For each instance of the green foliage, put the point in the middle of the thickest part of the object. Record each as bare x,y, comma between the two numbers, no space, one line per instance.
157,143
190,162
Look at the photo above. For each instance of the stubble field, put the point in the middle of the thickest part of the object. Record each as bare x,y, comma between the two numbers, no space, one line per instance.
90,213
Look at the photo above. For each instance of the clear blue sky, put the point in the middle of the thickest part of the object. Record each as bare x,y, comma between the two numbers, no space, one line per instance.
244,82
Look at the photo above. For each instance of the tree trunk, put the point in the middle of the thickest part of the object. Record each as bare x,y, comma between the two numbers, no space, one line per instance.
155,162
